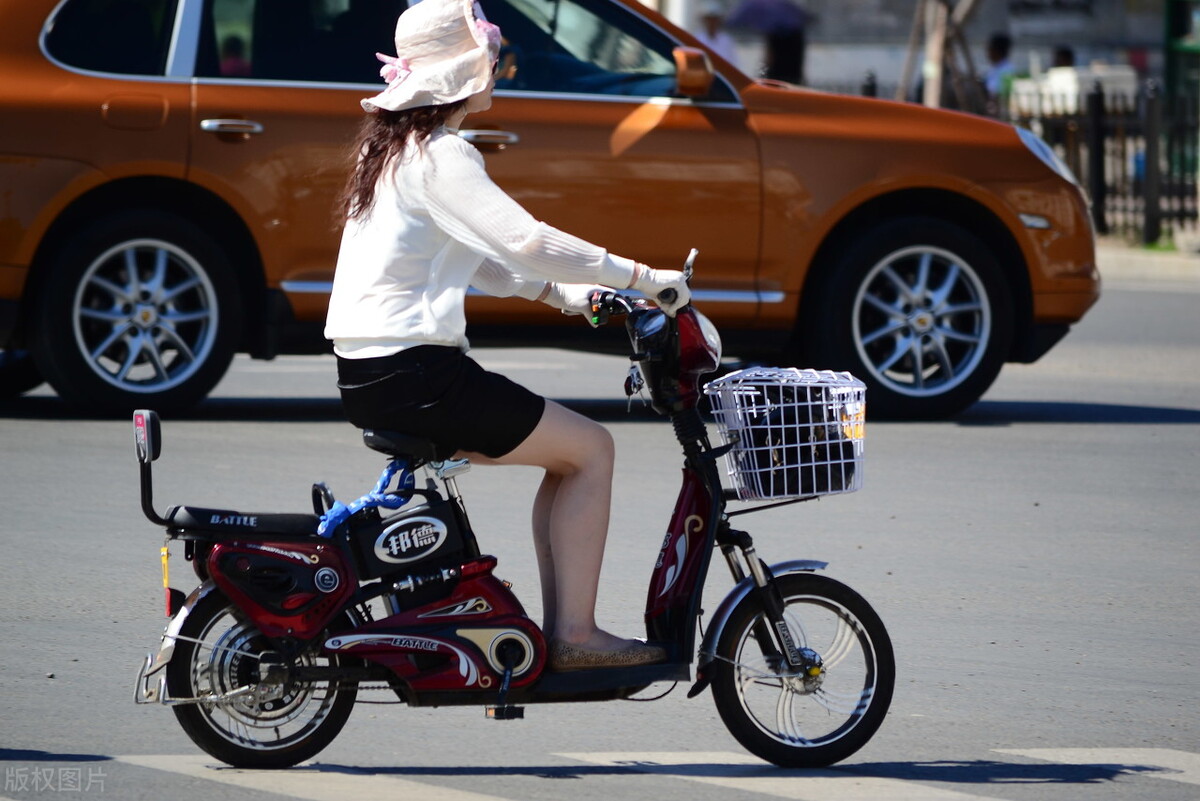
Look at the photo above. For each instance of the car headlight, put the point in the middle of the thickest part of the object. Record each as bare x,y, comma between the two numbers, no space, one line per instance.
1045,153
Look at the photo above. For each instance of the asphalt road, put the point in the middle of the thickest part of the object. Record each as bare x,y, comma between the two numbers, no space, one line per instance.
1035,561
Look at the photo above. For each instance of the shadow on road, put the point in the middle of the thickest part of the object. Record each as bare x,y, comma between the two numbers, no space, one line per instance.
30,755
1002,413
970,772
613,410
290,410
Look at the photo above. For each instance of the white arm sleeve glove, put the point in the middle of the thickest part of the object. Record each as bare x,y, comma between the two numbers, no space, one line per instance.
651,283
574,299
494,279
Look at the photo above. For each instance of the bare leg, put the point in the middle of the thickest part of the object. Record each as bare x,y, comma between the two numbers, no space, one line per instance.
543,504
570,519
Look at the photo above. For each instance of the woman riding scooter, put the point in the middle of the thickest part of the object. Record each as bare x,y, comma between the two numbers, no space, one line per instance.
423,223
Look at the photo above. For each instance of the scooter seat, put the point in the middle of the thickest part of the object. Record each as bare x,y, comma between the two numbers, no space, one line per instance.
400,446
227,524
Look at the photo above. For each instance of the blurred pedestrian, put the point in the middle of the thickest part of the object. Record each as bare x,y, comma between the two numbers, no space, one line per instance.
998,78
712,32
1064,56
783,26
233,58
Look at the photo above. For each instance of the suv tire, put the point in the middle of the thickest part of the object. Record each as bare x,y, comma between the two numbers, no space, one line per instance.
137,309
918,308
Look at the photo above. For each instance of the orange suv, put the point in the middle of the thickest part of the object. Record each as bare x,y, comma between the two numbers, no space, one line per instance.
169,168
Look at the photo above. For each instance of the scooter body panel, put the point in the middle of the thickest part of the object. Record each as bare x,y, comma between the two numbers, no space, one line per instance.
458,642
288,588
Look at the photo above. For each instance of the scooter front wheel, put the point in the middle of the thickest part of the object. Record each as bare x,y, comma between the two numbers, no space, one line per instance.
822,712
248,720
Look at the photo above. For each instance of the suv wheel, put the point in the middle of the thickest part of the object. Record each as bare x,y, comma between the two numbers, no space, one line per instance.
919,310
137,309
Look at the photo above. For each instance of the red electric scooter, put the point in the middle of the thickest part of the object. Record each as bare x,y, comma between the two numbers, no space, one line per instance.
298,613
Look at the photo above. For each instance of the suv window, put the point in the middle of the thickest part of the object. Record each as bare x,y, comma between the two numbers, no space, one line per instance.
583,47
571,46
297,40
129,37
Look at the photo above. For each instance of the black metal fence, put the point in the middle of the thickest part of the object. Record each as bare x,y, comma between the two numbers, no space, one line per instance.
1137,157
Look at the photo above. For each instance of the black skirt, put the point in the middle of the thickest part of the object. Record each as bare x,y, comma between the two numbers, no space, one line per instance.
441,394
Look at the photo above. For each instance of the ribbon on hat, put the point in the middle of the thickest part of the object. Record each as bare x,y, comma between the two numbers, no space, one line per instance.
491,33
489,30
394,69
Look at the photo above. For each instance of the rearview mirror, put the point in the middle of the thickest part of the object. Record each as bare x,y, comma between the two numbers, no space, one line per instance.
693,72
147,435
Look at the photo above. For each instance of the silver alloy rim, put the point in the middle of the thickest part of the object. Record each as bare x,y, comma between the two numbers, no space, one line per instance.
145,316
922,321
222,663
799,712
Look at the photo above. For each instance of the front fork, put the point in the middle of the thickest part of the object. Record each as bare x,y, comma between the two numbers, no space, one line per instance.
771,631
754,578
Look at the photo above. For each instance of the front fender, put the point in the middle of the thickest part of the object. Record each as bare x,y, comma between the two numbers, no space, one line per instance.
148,691
721,616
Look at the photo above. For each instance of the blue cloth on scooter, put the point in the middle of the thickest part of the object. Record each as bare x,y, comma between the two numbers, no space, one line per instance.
339,513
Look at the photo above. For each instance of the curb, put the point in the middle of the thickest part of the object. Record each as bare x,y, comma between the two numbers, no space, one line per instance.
1121,262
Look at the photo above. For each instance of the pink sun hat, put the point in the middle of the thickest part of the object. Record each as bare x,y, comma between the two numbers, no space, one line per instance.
446,51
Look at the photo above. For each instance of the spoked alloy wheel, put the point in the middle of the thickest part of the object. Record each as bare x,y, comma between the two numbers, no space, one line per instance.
138,309
921,321
920,310
218,652
146,314
809,717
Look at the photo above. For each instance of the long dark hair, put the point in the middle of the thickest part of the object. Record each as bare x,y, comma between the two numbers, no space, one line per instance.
383,136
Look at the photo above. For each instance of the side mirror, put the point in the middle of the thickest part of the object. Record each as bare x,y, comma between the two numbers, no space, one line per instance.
147,435
693,72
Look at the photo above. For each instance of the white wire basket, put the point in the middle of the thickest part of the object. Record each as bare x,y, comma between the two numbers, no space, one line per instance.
795,433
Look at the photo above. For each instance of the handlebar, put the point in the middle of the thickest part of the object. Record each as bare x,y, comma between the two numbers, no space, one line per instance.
605,304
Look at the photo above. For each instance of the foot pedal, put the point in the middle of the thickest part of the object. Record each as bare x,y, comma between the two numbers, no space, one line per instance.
506,712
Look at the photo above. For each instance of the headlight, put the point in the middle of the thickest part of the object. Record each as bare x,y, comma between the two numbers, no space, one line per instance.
1045,153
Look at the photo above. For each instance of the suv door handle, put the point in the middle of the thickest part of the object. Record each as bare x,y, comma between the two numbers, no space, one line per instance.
492,140
231,126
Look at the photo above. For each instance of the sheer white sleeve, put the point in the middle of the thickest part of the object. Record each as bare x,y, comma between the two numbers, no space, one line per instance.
470,207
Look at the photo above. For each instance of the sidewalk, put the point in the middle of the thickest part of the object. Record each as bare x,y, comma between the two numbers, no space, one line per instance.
1120,261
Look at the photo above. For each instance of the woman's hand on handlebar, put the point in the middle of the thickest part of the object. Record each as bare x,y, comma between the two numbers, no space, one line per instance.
574,299
667,288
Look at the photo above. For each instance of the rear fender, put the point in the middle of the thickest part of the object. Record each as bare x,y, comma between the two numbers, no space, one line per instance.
166,649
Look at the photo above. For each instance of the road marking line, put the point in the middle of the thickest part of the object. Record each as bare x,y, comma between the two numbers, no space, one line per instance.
304,781
1164,763
750,774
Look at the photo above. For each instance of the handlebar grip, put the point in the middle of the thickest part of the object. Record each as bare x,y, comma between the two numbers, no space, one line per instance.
667,296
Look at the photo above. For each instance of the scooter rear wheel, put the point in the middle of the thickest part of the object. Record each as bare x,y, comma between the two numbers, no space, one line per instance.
805,718
217,652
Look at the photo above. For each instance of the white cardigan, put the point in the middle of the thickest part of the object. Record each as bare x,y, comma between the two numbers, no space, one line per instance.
439,225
